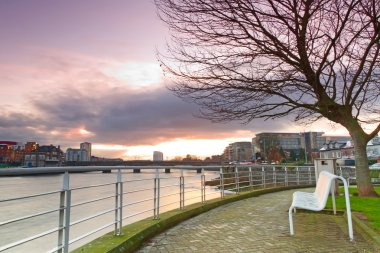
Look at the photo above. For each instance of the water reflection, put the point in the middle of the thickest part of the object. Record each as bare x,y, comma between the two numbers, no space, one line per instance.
11,187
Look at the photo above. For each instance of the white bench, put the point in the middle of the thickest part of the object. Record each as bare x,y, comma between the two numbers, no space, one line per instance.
316,201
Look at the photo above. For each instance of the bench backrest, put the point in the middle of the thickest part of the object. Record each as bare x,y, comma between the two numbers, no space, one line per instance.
323,188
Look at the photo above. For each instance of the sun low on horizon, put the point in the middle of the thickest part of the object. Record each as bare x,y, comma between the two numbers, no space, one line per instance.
201,148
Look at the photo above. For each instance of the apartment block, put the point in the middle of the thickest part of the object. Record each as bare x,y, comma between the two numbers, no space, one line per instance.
158,156
86,146
239,152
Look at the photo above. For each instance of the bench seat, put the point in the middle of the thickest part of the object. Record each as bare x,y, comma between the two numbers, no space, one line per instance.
306,200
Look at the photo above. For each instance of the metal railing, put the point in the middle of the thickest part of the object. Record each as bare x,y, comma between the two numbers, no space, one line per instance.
135,193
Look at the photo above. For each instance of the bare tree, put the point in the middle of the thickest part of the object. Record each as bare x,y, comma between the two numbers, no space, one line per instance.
248,59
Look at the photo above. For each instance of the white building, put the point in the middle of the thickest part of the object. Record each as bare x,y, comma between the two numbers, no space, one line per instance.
76,155
158,156
35,160
346,151
86,146
373,148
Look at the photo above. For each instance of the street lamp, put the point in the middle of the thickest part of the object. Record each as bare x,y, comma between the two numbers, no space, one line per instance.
263,141
304,138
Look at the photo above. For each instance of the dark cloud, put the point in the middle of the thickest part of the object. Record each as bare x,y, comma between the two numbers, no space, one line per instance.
118,116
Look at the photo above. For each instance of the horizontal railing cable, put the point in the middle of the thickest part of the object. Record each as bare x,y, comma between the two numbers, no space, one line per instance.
29,216
92,186
91,232
91,217
28,239
29,196
138,213
92,201
139,190
138,202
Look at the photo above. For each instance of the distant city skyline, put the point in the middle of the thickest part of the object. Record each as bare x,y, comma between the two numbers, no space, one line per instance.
86,71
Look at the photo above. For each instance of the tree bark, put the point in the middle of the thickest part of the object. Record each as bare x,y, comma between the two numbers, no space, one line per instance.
365,187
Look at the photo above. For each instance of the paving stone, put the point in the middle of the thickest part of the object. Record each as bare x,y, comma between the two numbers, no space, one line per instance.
259,224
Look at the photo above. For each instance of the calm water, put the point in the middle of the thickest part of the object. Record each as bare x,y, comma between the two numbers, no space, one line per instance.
20,186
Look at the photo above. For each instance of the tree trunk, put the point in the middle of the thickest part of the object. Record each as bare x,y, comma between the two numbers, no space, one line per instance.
365,187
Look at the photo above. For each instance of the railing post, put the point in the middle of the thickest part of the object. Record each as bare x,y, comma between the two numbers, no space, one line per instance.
237,180
298,175
120,182
61,221
286,176
263,176
221,177
66,188
309,170
274,176
157,195
181,191
203,186
250,177
116,205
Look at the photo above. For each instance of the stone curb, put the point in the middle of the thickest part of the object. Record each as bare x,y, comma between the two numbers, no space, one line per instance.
137,233
366,231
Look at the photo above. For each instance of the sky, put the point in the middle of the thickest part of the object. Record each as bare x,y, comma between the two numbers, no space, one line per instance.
86,70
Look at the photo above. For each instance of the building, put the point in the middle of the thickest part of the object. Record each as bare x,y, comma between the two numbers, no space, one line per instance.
294,146
344,151
11,152
373,148
44,156
290,143
86,146
239,152
338,150
314,141
30,147
34,159
76,155
83,154
158,156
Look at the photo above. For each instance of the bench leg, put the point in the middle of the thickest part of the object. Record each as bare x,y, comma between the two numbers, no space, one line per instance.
333,198
291,221
348,208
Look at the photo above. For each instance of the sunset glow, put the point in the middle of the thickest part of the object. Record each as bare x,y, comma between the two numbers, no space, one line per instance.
136,74
84,132
179,147
102,83
109,147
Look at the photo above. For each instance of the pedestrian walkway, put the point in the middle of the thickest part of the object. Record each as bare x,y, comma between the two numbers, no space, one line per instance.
258,225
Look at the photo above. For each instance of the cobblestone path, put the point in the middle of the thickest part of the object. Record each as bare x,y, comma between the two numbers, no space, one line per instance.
258,225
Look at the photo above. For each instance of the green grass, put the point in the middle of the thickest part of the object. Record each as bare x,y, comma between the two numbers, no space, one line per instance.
370,207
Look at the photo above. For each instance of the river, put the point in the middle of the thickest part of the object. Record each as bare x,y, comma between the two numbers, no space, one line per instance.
11,187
